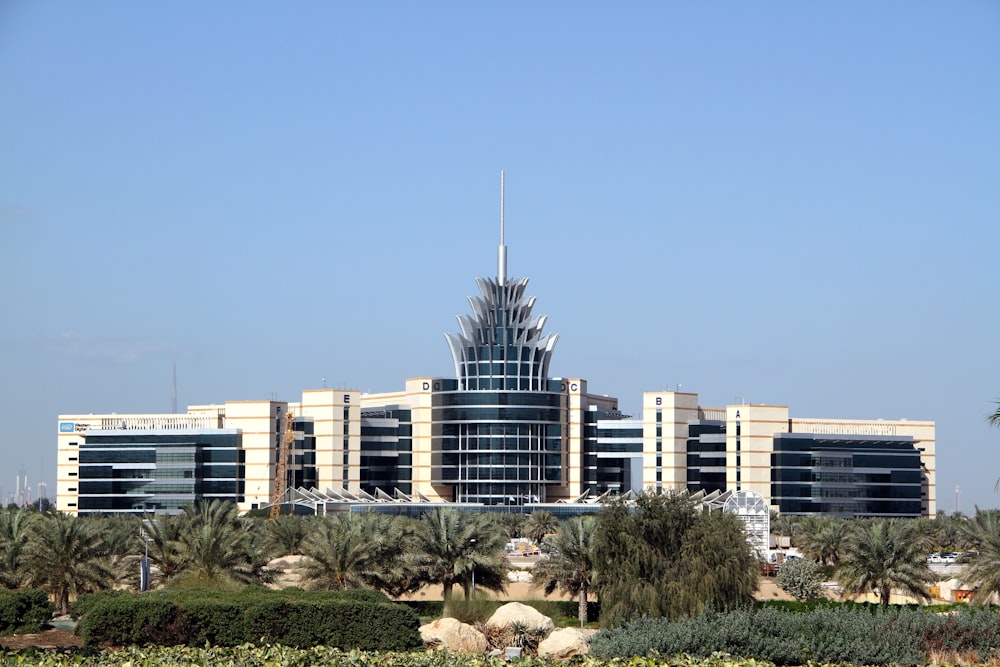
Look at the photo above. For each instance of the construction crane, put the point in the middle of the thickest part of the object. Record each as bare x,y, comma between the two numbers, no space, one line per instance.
281,467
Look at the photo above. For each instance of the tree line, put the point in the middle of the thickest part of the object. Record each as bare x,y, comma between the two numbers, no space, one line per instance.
660,557
879,556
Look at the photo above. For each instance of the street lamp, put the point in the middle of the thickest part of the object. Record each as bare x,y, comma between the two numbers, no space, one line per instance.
473,566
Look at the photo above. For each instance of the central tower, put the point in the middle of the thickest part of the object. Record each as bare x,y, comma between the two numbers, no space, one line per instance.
500,346
501,429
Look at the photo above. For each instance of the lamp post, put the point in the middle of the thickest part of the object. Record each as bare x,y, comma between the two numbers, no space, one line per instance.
473,566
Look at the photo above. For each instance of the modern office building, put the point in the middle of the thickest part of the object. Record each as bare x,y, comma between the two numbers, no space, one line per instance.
501,432
801,466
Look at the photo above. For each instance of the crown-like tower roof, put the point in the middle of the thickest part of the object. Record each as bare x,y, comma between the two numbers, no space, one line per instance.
501,346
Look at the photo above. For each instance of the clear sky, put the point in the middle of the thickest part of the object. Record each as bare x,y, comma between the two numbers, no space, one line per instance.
786,202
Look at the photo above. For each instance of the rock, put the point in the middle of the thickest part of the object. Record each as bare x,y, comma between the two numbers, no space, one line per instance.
454,636
566,642
515,612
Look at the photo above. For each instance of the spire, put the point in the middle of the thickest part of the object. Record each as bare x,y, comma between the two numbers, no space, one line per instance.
502,250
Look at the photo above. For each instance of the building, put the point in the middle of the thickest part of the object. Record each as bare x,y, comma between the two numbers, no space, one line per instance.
802,466
499,433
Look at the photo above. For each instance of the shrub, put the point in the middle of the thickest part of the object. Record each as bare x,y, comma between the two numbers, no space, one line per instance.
843,634
295,618
122,620
23,610
800,578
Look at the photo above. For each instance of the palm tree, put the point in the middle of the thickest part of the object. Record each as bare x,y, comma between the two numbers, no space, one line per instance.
886,554
983,571
360,551
570,566
215,546
821,538
994,420
539,524
452,547
66,556
14,525
338,554
783,525
511,522
123,543
162,536
284,536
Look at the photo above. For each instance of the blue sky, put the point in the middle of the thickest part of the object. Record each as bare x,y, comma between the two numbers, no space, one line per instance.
792,203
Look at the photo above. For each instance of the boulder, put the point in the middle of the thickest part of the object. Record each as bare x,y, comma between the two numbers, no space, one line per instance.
515,612
453,635
565,643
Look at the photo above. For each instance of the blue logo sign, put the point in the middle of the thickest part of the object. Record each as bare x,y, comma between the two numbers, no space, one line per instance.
66,427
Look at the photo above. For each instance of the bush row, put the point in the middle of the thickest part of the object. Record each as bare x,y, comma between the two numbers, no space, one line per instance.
319,656
299,619
844,634
23,610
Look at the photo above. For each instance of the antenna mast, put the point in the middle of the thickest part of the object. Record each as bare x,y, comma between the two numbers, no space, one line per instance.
502,250
173,395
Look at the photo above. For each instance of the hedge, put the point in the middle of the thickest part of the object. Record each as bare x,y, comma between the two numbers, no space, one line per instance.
23,610
346,619
846,634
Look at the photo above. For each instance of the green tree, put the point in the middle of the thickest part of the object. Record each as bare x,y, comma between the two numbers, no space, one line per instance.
339,554
800,578
570,565
994,420
161,535
885,555
364,550
286,534
452,547
65,556
983,571
512,523
663,558
718,563
216,546
14,533
784,525
123,543
539,524
821,538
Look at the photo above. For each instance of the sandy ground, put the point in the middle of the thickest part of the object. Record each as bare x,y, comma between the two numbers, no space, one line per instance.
48,639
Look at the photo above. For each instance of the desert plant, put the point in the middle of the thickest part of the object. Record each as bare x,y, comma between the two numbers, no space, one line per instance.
66,556
884,555
570,565
801,579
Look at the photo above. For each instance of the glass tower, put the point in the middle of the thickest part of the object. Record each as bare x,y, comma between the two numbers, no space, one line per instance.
498,435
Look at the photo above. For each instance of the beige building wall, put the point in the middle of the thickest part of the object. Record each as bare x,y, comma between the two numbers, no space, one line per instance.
328,409
578,402
418,398
757,425
262,424
68,459
665,437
